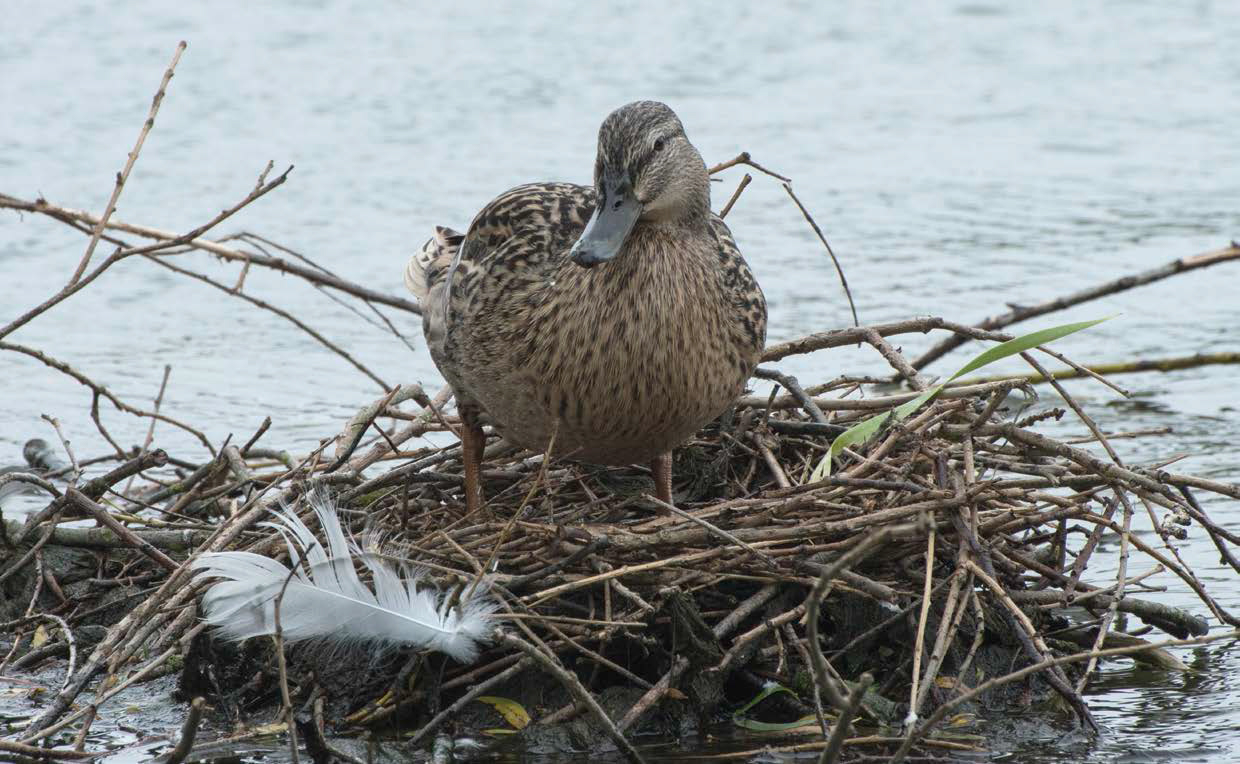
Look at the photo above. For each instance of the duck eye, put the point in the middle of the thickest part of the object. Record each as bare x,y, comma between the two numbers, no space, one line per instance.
658,144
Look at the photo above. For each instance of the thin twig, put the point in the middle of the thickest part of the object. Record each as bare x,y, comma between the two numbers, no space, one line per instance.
1023,313
839,269
123,175
862,550
831,753
189,730
574,687
922,619
735,195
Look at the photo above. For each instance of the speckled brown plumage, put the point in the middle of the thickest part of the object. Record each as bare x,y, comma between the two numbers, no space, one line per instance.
623,360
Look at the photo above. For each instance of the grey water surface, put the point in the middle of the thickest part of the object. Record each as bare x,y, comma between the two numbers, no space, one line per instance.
958,155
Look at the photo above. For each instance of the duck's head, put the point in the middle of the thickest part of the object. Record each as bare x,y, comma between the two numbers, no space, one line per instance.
646,171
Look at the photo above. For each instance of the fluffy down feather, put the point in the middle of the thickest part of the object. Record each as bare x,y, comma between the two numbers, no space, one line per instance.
332,603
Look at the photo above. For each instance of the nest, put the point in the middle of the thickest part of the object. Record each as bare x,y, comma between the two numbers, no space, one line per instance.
937,570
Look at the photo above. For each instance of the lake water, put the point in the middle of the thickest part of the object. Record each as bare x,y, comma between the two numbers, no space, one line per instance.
959,156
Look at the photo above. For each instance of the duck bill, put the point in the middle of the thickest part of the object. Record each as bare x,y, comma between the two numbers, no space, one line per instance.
613,219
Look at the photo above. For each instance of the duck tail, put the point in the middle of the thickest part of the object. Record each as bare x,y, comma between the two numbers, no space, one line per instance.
429,263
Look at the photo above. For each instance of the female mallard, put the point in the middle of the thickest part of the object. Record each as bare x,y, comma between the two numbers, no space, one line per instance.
616,320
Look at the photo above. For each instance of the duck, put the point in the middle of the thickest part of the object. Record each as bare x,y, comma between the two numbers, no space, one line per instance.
607,322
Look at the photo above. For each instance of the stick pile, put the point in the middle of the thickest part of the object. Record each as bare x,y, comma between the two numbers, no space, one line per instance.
953,535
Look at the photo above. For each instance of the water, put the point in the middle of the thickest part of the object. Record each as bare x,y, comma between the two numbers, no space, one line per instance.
958,155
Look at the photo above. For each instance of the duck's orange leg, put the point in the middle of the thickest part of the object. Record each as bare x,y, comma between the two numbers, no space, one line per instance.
472,444
661,466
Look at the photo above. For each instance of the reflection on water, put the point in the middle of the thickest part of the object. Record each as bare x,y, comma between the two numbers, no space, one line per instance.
1159,716
959,156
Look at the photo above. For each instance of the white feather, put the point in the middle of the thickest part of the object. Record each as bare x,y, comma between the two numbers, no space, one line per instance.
332,603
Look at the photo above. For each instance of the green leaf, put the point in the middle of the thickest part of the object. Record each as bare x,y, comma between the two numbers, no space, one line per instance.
768,689
771,688
1023,343
513,712
863,431
753,725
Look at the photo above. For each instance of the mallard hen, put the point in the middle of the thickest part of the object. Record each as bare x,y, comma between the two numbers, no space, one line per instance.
616,320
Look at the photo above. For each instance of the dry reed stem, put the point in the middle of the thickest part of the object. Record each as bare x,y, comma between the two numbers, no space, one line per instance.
919,644
1121,578
290,722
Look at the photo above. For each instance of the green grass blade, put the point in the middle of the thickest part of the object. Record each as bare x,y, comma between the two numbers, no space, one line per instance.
771,688
1021,344
866,429
754,725
863,431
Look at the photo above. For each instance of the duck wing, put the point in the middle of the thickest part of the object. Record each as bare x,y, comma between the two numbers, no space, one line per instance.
519,238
